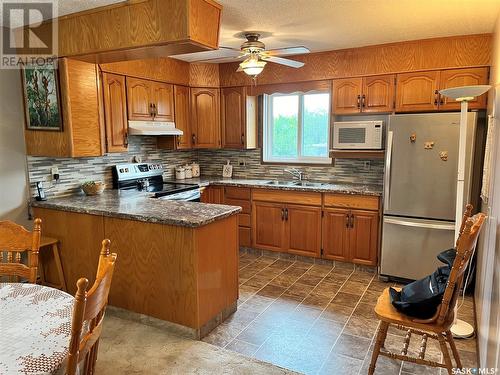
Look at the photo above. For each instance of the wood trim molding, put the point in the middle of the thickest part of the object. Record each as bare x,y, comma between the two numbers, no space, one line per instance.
287,88
427,54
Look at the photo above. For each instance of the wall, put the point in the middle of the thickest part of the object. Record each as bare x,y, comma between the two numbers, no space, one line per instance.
13,183
487,293
75,171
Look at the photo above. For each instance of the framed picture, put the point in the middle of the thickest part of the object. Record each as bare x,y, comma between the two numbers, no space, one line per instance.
41,97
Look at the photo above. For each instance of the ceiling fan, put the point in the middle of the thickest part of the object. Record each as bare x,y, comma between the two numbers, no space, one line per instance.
255,55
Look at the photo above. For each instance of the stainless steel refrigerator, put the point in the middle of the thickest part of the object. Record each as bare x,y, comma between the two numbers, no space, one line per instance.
420,190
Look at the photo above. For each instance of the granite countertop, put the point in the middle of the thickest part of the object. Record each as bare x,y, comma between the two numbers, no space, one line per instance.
141,207
343,188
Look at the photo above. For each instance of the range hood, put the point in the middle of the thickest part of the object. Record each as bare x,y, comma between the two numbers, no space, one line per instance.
153,128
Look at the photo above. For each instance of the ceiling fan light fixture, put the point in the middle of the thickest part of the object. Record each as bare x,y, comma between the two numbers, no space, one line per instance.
253,67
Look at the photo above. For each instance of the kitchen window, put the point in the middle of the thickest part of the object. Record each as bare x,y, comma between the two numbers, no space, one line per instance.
296,128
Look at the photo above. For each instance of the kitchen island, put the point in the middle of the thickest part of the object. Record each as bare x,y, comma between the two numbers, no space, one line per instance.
177,261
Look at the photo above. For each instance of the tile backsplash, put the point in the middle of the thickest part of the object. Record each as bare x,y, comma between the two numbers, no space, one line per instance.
75,171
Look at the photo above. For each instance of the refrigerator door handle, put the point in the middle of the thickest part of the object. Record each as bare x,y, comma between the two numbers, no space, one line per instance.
406,223
387,176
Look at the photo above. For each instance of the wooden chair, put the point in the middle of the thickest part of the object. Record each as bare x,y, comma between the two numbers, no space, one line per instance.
437,327
15,240
88,315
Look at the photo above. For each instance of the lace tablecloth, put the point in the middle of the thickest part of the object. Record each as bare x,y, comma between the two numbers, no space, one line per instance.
35,328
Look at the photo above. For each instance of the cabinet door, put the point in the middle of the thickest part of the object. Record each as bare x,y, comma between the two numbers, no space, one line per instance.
335,230
417,91
217,194
303,230
268,226
463,77
205,117
182,121
363,237
163,100
233,117
378,94
115,112
347,95
139,99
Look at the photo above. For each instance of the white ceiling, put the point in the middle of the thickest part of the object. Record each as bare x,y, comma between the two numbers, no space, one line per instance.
324,25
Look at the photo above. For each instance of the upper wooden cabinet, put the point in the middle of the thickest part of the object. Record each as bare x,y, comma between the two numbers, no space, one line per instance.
82,133
182,120
367,94
463,77
149,100
205,118
115,112
239,118
418,92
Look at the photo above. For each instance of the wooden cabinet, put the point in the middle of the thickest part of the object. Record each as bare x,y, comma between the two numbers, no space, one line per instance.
367,94
182,120
269,226
419,91
350,228
82,133
149,100
115,112
346,95
240,196
303,230
238,118
463,77
213,194
205,119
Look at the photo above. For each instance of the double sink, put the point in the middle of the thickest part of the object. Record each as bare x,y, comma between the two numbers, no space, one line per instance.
294,183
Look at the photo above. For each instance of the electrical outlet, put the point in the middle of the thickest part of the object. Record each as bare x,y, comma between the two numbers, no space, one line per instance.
242,162
55,173
366,165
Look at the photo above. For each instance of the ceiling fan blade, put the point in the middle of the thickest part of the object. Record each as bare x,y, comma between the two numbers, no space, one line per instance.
282,61
287,51
223,54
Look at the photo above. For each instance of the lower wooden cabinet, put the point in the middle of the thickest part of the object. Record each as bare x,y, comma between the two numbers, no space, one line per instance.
350,235
303,230
268,226
213,194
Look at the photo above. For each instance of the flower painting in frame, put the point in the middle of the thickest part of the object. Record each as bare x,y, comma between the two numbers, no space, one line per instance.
41,97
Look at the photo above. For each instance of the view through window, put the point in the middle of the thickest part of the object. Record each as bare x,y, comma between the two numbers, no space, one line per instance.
296,128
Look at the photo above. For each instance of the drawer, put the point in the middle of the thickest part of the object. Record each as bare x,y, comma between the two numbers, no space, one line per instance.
244,220
365,202
245,205
245,237
282,196
237,193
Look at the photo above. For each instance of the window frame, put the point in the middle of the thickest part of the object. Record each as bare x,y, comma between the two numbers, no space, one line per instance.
267,133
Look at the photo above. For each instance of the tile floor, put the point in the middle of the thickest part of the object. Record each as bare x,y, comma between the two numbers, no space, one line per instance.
316,319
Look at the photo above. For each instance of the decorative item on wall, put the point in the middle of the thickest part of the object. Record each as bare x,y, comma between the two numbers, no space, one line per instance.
41,98
227,170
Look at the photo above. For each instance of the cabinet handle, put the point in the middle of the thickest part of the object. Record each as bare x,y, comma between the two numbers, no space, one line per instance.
193,137
441,101
151,112
363,101
155,111
242,139
352,221
347,218
282,214
286,214
359,101
125,139
436,96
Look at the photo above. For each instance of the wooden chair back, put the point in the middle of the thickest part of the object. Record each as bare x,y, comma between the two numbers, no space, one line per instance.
88,315
465,246
15,240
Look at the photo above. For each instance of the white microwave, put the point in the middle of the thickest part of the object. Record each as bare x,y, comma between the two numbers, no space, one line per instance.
357,135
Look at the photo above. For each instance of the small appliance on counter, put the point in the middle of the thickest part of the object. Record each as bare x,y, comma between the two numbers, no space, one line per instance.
357,135
148,177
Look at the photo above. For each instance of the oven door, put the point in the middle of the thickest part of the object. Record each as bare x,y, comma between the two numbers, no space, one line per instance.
187,196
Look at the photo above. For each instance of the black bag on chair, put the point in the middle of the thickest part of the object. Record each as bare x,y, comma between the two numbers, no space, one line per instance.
421,298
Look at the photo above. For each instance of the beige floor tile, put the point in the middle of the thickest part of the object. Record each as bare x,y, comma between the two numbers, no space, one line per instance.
352,346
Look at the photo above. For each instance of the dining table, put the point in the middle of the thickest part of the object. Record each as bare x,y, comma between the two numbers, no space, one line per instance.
35,329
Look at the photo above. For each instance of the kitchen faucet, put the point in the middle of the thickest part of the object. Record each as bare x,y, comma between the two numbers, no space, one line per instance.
295,173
